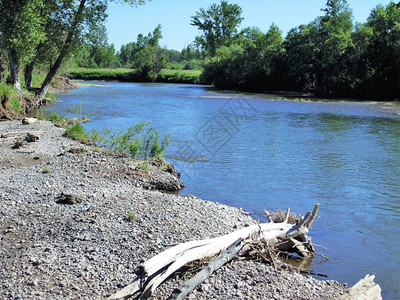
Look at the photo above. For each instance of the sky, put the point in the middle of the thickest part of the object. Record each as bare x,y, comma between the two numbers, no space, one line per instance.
125,23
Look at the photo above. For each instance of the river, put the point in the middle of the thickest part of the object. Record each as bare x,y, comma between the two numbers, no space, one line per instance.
261,152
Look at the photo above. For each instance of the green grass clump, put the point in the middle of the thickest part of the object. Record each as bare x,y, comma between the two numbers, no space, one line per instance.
46,170
56,118
10,95
130,217
76,132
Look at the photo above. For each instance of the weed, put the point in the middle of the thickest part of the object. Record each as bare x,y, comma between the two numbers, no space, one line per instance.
15,105
55,118
144,166
76,132
46,170
130,217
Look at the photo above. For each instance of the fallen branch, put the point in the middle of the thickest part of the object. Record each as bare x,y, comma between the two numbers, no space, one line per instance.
284,236
226,255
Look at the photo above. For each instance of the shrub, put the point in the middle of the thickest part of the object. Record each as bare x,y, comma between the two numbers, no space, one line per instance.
136,141
77,132
55,118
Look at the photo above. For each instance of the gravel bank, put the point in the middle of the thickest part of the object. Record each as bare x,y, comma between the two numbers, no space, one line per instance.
91,249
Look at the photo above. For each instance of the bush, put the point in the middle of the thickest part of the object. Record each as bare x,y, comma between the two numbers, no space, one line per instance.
55,118
136,141
77,132
10,95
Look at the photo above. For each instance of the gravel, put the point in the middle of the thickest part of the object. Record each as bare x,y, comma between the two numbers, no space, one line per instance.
89,250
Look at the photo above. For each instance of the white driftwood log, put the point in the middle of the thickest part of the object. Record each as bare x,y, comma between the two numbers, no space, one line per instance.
27,121
155,271
365,289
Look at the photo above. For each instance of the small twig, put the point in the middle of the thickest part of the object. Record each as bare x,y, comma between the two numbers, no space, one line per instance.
269,216
287,215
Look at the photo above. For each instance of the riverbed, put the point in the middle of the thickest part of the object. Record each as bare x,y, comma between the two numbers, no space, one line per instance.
262,152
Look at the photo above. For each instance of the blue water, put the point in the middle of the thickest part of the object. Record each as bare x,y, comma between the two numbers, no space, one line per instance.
267,153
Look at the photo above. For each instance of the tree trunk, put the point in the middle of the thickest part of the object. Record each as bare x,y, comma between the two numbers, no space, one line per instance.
14,69
1,68
64,51
28,76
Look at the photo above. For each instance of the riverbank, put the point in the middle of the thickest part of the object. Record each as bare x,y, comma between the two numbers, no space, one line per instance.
91,249
15,104
129,75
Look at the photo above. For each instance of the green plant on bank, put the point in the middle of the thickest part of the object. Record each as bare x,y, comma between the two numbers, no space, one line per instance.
10,95
136,141
130,217
77,109
76,132
55,118
46,170
144,166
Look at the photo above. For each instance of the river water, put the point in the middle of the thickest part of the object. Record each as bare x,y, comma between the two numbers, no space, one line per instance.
260,152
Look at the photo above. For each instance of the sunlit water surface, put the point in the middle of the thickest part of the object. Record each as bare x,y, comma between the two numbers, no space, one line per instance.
267,153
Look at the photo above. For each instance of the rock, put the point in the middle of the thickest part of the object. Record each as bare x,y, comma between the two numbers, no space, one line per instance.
31,137
19,143
27,121
69,199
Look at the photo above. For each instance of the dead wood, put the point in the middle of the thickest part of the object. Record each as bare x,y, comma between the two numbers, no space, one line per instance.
226,255
283,236
366,288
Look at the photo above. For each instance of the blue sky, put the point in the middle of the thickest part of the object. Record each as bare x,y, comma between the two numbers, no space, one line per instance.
125,22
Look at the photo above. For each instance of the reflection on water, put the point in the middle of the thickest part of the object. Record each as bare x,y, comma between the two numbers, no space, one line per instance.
275,154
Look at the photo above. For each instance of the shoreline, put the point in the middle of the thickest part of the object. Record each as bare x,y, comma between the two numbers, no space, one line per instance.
91,249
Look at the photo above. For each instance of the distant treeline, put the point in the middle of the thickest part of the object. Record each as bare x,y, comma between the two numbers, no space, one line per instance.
329,57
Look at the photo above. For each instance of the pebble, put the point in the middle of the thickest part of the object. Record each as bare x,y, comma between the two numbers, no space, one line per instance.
79,256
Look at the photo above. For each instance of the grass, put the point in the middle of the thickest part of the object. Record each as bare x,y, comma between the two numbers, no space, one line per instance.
128,75
46,170
76,132
11,95
130,217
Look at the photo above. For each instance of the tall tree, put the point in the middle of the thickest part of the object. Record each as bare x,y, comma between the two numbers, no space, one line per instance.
219,24
318,54
21,29
91,11
383,51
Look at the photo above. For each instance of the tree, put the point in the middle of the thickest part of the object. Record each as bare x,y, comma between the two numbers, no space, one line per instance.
383,51
219,24
90,11
248,64
318,54
21,30
149,58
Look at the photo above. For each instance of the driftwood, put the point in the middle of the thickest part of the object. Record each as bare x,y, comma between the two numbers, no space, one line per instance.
8,135
366,288
283,236
27,121
226,255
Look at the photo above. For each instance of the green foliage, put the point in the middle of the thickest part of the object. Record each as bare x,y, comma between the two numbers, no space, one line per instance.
139,140
130,217
382,53
46,170
76,132
144,166
248,64
77,109
9,95
55,118
219,25
15,105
